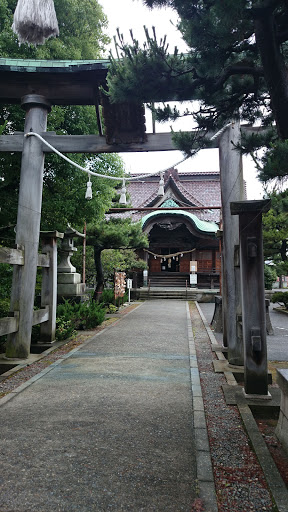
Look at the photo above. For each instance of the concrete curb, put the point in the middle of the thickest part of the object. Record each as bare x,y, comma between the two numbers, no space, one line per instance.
273,478
205,476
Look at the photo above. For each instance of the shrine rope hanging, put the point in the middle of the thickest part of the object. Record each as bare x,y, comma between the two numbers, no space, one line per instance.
107,176
174,255
90,173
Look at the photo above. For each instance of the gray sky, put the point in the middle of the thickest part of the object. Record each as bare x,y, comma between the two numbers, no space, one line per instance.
127,14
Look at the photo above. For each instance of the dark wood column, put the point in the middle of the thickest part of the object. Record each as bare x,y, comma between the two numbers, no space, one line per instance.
28,225
253,294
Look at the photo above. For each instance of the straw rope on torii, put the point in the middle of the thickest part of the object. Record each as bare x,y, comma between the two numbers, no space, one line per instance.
167,256
35,21
90,173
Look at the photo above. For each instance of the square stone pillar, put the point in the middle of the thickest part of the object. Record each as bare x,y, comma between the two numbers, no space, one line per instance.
253,294
232,189
282,426
49,285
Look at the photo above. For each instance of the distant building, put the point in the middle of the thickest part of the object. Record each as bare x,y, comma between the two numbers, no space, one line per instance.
181,241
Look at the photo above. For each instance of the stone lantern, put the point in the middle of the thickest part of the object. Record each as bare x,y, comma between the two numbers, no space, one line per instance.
69,281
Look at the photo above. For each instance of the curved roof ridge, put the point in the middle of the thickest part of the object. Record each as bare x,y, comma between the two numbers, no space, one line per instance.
202,225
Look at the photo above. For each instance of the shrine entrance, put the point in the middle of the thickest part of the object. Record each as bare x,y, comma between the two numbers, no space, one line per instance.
177,238
170,264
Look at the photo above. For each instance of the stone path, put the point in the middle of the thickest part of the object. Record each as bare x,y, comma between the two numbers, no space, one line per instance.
110,427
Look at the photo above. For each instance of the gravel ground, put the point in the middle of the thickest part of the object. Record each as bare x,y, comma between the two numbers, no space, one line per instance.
239,480
267,429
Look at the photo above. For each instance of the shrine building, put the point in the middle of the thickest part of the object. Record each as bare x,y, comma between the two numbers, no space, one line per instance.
181,241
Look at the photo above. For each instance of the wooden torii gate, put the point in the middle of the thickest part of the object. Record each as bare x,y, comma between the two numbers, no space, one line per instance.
39,84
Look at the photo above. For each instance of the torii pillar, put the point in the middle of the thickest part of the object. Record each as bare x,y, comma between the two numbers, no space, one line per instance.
28,224
253,295
232,189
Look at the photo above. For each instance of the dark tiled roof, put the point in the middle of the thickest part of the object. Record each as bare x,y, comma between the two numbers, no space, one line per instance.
189,189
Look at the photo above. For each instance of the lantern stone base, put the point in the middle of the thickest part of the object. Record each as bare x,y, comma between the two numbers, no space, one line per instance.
69,278
69,285
282,426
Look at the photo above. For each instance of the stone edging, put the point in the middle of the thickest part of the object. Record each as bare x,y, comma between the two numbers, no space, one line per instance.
204,470
273,478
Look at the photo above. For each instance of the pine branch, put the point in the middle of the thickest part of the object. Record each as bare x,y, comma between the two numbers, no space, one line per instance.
239,69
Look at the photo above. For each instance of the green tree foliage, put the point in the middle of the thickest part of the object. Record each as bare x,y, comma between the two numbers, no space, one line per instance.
64,191
82,36
124,260
237,65
275,232
281,298
270,276
113,234
112,259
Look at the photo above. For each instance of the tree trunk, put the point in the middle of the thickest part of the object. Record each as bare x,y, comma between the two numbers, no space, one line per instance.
275,70
99,274
283,250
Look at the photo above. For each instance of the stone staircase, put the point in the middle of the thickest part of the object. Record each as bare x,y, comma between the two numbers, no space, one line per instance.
169,285
169,280
166,293
203,295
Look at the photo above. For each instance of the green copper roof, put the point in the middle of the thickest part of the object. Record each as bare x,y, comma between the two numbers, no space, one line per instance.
35,64
201,225
169,203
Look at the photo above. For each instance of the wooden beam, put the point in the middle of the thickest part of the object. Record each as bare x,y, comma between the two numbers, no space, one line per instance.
11,256
90,144
40,316
97,144
8,325
11,143
152,209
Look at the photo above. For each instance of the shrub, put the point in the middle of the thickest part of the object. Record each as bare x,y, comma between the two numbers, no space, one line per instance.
270,276
4,307
107,296
6,273
111,308
281,298
64,329
90,314
71,316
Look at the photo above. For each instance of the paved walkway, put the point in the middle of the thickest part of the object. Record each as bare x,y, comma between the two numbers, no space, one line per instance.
111,426
277,343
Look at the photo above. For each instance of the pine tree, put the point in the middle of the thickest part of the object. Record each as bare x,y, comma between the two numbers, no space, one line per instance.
236,68
275,232
112,234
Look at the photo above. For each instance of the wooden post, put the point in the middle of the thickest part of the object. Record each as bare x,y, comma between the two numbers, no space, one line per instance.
28,224
253,295
232,189
49,285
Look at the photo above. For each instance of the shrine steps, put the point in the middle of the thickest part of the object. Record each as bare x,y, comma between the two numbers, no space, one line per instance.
169,279
176,294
